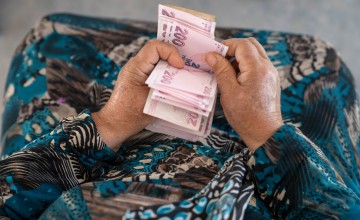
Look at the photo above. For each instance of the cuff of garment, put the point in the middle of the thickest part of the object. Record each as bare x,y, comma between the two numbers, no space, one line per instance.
85,140
279,163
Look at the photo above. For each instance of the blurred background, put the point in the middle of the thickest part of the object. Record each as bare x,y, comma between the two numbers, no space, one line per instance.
335,21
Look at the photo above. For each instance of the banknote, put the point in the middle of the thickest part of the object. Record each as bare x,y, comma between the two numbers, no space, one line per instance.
188,97
192,45
157,95
201,21
183,100
173,114
201,102
161,126
188,80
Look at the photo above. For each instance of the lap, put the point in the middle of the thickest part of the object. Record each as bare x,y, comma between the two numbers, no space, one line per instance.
67,63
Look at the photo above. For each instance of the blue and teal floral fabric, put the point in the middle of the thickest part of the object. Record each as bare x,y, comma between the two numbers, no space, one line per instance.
54,164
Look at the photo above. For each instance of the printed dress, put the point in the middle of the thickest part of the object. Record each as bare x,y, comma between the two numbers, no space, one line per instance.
54,164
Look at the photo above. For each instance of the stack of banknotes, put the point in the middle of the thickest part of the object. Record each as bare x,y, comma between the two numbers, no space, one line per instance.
183,100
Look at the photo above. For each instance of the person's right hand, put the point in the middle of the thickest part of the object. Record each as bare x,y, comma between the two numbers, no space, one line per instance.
251,101
123,116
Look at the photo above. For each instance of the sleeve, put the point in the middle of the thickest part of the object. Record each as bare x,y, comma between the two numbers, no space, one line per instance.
296,181
71,154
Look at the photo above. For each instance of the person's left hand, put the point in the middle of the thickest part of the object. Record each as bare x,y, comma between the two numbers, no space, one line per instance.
123,116
251,99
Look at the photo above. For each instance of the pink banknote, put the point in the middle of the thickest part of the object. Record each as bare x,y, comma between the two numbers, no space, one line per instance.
202,102
187,80
159,128
157,95
164,127
183,100
192,45
173,114
175,14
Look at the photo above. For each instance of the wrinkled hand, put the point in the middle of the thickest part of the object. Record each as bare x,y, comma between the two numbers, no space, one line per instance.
123,116
251,100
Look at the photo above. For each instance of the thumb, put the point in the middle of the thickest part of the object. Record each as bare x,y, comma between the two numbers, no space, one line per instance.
224,72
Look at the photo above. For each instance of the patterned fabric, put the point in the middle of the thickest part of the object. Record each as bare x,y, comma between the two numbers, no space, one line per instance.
54,164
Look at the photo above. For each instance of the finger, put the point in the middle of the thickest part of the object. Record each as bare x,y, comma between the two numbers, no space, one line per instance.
238,44
234,64
155,50
224,72
245,52
259,47
242,49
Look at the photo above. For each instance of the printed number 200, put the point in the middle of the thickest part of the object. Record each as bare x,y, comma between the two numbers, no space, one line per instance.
180,36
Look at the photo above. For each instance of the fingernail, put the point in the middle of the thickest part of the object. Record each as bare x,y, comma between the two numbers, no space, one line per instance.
211,60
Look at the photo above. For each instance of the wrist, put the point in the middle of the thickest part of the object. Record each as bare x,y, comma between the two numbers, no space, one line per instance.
259,138
112,134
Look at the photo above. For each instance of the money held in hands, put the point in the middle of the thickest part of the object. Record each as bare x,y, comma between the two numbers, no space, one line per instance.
183,100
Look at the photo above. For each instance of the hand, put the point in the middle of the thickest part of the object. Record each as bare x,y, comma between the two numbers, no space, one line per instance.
123,116
251,101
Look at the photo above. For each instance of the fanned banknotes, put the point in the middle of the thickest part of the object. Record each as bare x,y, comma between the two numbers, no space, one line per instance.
183,100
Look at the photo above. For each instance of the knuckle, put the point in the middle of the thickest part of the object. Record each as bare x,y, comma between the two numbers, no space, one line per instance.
271,68
264,69
235,40
168,48
232,43
131,65
246,40
253,39
271,76
152,43
172,47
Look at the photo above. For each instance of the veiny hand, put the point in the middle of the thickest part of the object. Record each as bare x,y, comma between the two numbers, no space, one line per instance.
123,116
251,101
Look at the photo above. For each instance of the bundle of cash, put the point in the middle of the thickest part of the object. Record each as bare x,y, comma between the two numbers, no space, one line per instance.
183,100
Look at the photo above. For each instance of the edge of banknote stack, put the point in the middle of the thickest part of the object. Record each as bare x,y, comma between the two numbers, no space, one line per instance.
183,100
